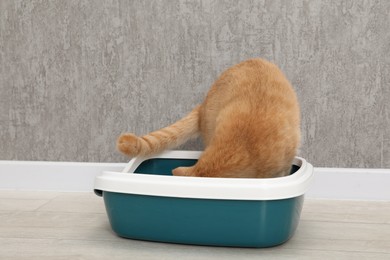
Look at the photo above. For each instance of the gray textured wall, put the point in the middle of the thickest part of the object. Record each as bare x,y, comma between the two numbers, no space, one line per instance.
75,74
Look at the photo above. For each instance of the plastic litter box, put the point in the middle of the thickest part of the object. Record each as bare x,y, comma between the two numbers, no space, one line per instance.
146,202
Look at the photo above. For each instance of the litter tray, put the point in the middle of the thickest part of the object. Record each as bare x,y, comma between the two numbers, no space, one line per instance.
146,202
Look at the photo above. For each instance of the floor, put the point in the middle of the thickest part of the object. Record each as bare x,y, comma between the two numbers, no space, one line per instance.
52,225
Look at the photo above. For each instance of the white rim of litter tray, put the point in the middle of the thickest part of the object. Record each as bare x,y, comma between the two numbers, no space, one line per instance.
204,187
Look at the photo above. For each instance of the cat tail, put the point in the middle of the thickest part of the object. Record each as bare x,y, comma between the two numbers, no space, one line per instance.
160,140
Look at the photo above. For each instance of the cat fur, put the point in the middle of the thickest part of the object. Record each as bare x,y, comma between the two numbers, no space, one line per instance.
249,122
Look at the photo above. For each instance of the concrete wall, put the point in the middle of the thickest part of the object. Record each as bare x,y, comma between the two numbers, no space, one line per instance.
75,74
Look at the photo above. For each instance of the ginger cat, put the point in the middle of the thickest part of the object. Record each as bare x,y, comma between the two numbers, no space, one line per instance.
249,122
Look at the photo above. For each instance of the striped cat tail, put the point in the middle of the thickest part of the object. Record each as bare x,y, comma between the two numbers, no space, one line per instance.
160,140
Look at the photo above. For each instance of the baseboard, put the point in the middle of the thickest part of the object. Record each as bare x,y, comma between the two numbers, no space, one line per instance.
350,184
52,176
328,183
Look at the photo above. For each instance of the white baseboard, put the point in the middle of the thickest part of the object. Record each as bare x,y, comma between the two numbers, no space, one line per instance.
328,183
52,176
350,184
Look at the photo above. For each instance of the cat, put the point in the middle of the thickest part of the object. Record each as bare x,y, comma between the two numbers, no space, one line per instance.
249,122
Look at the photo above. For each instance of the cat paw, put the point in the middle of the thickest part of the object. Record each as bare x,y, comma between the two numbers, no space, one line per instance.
183,171
128,144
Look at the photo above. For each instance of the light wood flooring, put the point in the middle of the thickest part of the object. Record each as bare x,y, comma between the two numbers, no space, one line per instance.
52,225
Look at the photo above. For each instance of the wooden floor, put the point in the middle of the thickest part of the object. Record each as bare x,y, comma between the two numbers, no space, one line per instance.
50,225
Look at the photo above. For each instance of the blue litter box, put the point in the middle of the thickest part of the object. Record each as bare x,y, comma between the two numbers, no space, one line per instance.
146,202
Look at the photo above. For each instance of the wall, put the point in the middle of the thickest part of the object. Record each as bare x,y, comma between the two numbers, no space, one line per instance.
75,74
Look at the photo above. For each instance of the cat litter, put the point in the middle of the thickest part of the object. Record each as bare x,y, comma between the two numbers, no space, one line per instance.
146,202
